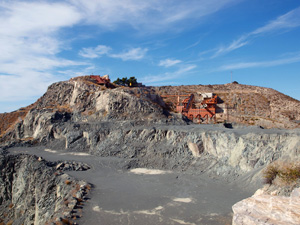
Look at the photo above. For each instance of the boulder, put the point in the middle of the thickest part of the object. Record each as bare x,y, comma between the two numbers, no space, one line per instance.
268,209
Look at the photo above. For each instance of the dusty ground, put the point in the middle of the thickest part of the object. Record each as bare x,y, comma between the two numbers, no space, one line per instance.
143,196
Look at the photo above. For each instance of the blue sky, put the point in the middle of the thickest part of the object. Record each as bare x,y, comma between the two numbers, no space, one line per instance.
160,42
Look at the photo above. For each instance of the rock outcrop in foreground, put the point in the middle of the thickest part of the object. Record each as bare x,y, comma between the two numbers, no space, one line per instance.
32,192
267,209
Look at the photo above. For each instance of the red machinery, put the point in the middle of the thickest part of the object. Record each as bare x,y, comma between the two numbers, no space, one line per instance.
205,113
100,80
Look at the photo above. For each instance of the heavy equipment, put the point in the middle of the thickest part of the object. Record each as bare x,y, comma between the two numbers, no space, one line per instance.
203,114
101,80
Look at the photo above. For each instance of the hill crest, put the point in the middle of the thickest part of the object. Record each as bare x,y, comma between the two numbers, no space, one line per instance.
85,100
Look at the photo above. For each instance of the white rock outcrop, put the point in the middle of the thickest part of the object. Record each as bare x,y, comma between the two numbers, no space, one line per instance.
268,209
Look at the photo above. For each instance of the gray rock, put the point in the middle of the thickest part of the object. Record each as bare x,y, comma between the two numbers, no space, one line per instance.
33,193
72,165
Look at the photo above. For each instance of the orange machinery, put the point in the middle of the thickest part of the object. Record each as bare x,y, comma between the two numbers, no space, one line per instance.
206,112
100,80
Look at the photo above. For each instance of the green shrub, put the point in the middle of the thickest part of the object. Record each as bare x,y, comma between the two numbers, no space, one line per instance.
131,82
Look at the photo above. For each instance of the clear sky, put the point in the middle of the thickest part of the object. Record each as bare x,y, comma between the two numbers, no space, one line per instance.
160,42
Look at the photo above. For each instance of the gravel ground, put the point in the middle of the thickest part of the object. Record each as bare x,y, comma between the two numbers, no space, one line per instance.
121,196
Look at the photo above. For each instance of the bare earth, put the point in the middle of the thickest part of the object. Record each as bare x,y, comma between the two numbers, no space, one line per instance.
143,196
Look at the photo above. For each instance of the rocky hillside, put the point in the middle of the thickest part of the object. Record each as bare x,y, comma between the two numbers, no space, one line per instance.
81,99
246,104
140,126
134,123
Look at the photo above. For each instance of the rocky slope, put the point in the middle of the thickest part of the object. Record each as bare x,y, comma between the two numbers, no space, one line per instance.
197,148
136,124
80,99
246,104
33,192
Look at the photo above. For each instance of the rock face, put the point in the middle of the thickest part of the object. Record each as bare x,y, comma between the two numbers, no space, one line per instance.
267,209
222,150
33,193
87,101
213,149
78,101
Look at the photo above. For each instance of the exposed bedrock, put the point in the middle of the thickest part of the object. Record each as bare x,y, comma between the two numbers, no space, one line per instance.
133,124
205,147
228,151
31,192
267,209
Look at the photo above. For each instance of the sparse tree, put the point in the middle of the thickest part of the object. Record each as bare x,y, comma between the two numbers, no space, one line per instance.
131,82
117,81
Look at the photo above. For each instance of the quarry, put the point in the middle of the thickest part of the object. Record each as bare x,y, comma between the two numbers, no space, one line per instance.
92,152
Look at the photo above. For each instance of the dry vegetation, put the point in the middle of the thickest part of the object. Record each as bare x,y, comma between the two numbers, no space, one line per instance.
8,120
68,182
282,173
